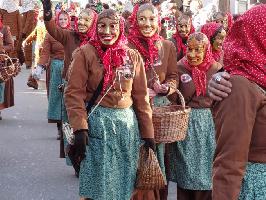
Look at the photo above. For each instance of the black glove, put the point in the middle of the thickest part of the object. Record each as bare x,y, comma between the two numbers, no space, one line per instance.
77,151
149,143
80,142
21,56
47,10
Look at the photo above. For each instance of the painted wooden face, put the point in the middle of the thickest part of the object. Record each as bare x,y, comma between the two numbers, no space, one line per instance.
85,21
218,40
183,27
222,20
108,31
63,20
195,52
148,22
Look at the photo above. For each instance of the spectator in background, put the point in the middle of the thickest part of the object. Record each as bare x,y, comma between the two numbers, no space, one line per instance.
29,11
105,6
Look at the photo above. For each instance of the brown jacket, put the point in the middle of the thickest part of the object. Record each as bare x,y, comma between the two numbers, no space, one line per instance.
52,49
240,121
6,41
67,38
167,71
187,87
84,76
13,20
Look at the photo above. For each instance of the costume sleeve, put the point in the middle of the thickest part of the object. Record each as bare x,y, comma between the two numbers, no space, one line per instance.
75,93
234,118
56,32
141,100
172,74
45,53
8,40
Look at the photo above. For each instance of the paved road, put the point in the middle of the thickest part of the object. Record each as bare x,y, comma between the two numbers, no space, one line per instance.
30,168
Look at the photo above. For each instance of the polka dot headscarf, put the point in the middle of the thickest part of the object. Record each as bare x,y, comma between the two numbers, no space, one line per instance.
245,46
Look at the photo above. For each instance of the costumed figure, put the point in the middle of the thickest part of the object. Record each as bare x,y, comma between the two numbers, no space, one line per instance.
29,11
191,159
239,168
108,139
52,59
184,28
216,35
7,87
37,37
12,18
71,39
226,19
159,58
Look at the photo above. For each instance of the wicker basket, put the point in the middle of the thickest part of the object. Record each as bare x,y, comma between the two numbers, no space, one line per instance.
8,67
149,173
171,122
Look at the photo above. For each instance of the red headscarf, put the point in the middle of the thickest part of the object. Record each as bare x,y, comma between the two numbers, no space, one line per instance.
84,38
114,56
245,46
181,46
135,37
210,30
199,72
68,19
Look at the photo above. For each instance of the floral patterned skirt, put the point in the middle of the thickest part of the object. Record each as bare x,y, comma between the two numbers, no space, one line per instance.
254,182
109,170
55,96
191,159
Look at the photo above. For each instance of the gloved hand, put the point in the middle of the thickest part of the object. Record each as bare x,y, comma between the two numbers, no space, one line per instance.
80,142
47,10
37,72
149,143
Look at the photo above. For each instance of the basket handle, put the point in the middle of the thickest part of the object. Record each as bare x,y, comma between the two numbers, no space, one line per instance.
183,103
1,54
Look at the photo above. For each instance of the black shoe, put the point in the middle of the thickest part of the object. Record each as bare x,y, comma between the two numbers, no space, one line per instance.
0,116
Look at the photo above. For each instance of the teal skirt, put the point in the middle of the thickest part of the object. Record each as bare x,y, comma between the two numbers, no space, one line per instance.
254,182
2,93
55,96
191,159
109,170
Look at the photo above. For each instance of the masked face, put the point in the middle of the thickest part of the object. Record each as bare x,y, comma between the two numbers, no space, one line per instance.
63,20
148,23
218,40
195,52
84,22
183,27
222,20
108,31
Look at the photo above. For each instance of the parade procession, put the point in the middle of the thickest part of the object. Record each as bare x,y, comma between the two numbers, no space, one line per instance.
132,100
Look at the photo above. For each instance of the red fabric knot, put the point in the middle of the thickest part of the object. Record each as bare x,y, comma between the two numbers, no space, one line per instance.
245,46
